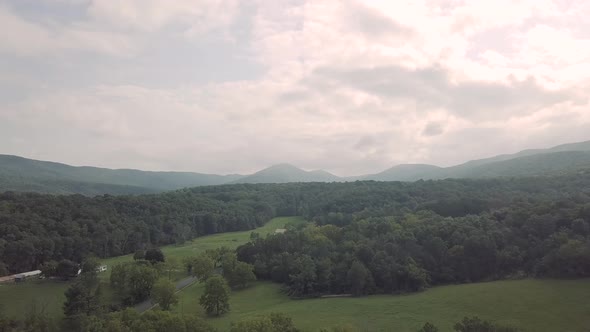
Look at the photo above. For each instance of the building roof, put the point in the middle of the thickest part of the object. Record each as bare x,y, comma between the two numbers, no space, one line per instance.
30,273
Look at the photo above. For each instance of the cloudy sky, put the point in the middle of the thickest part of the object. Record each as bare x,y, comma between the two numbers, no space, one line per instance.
353,87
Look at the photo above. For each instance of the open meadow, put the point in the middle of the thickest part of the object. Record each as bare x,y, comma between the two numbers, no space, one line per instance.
230,240
533,305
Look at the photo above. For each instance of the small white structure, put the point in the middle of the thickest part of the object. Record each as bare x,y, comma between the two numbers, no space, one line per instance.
280,230
101,268
25,275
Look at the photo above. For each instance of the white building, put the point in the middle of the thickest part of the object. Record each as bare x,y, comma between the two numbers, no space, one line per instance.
25,275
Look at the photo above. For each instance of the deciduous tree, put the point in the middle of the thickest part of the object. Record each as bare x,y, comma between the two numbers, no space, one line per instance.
215,299
164,293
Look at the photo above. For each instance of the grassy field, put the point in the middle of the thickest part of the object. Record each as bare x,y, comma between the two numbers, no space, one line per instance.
15,299
200,244
533,305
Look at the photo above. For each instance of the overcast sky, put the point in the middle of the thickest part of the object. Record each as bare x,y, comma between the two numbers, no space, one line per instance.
353,87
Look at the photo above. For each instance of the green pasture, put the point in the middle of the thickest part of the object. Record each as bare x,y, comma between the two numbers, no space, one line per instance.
533,305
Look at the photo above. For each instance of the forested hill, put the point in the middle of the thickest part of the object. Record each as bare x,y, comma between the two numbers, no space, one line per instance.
35,228
21,174
558,160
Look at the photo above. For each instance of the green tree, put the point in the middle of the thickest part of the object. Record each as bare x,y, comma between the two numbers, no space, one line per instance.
164,293
66,269
282,322
155,255
166,268
416,277
133,282
118,278
475,324
140,280
49,269
36,320
302,280
428,327
242,275
275,322
238,274
81,299
3,269
202,267
358,277
215,299
228,262
89,274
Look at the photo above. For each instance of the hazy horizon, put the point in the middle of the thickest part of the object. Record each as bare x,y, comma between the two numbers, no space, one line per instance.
350,87
289,164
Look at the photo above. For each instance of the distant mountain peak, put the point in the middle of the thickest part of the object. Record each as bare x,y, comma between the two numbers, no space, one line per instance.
283,173
282,166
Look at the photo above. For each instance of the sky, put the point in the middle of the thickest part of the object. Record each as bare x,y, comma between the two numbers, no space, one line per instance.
352,87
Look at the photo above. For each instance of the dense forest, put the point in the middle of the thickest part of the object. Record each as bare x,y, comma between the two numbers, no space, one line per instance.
442,231
383,254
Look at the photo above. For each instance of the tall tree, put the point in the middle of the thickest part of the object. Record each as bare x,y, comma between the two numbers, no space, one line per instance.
133,282
241,275
164,293
66,269
202,267
81,299
358,277
215,299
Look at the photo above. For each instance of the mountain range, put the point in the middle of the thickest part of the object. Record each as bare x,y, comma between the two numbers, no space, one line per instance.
22,174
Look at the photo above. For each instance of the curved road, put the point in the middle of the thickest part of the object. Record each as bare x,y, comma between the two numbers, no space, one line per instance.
148,304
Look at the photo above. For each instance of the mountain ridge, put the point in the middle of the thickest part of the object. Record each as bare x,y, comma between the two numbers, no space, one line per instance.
23,174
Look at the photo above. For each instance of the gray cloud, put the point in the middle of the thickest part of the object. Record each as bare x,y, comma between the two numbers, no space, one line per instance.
433,129
373,23
432,88
365,142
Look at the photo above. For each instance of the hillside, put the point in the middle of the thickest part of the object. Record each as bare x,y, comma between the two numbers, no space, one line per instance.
531,165
564,158
21,174
405,172
284,173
